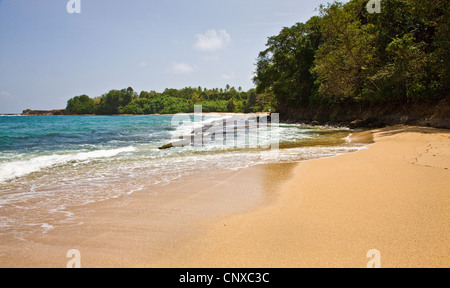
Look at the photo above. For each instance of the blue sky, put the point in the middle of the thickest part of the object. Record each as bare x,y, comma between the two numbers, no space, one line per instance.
48,56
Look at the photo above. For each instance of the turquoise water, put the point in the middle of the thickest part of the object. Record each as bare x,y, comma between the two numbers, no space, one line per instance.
49,164
31,144
43,134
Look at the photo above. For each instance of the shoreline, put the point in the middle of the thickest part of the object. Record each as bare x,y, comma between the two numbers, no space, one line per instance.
190,113
392,197
318,213
351,123
134,230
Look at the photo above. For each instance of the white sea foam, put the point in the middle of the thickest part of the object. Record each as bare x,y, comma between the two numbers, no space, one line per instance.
47,227
75,178
187,127
21,168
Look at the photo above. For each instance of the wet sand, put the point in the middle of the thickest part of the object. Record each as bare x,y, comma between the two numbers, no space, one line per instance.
141,229
393,197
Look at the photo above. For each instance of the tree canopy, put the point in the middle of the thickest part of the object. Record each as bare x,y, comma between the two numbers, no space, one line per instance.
171,101
348,55
81,105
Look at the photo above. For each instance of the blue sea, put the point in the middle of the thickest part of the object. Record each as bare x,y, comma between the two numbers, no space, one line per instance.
49,164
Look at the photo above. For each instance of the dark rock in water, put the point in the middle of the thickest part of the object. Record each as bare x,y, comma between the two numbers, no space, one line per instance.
208,131
356,124
59,112
371,122
168,146
182,143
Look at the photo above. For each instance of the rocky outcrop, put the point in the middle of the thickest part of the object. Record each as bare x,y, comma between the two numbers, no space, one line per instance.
58,112
359,116
199,135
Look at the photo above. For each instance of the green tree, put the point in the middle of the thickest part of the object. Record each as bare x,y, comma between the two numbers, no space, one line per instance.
81,105
231,105
284,68
434,16
408,70
345,59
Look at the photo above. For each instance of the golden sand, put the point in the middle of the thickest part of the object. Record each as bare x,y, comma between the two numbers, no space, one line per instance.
393,197
135,230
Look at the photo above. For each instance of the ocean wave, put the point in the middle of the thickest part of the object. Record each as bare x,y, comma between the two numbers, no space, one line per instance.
21,168
93,159
186,127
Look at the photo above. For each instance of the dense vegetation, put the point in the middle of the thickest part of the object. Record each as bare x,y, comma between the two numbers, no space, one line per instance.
171,101
347,55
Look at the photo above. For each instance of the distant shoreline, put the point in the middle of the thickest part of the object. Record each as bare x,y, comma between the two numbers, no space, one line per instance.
57,112
62,112
370,120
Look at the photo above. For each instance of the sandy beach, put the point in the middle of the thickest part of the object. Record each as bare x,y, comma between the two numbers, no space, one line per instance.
393,196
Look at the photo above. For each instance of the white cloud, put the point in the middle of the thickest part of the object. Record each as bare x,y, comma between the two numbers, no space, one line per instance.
182,68
212,40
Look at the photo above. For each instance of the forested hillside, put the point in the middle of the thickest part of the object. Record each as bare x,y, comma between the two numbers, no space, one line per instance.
349,64
171,101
